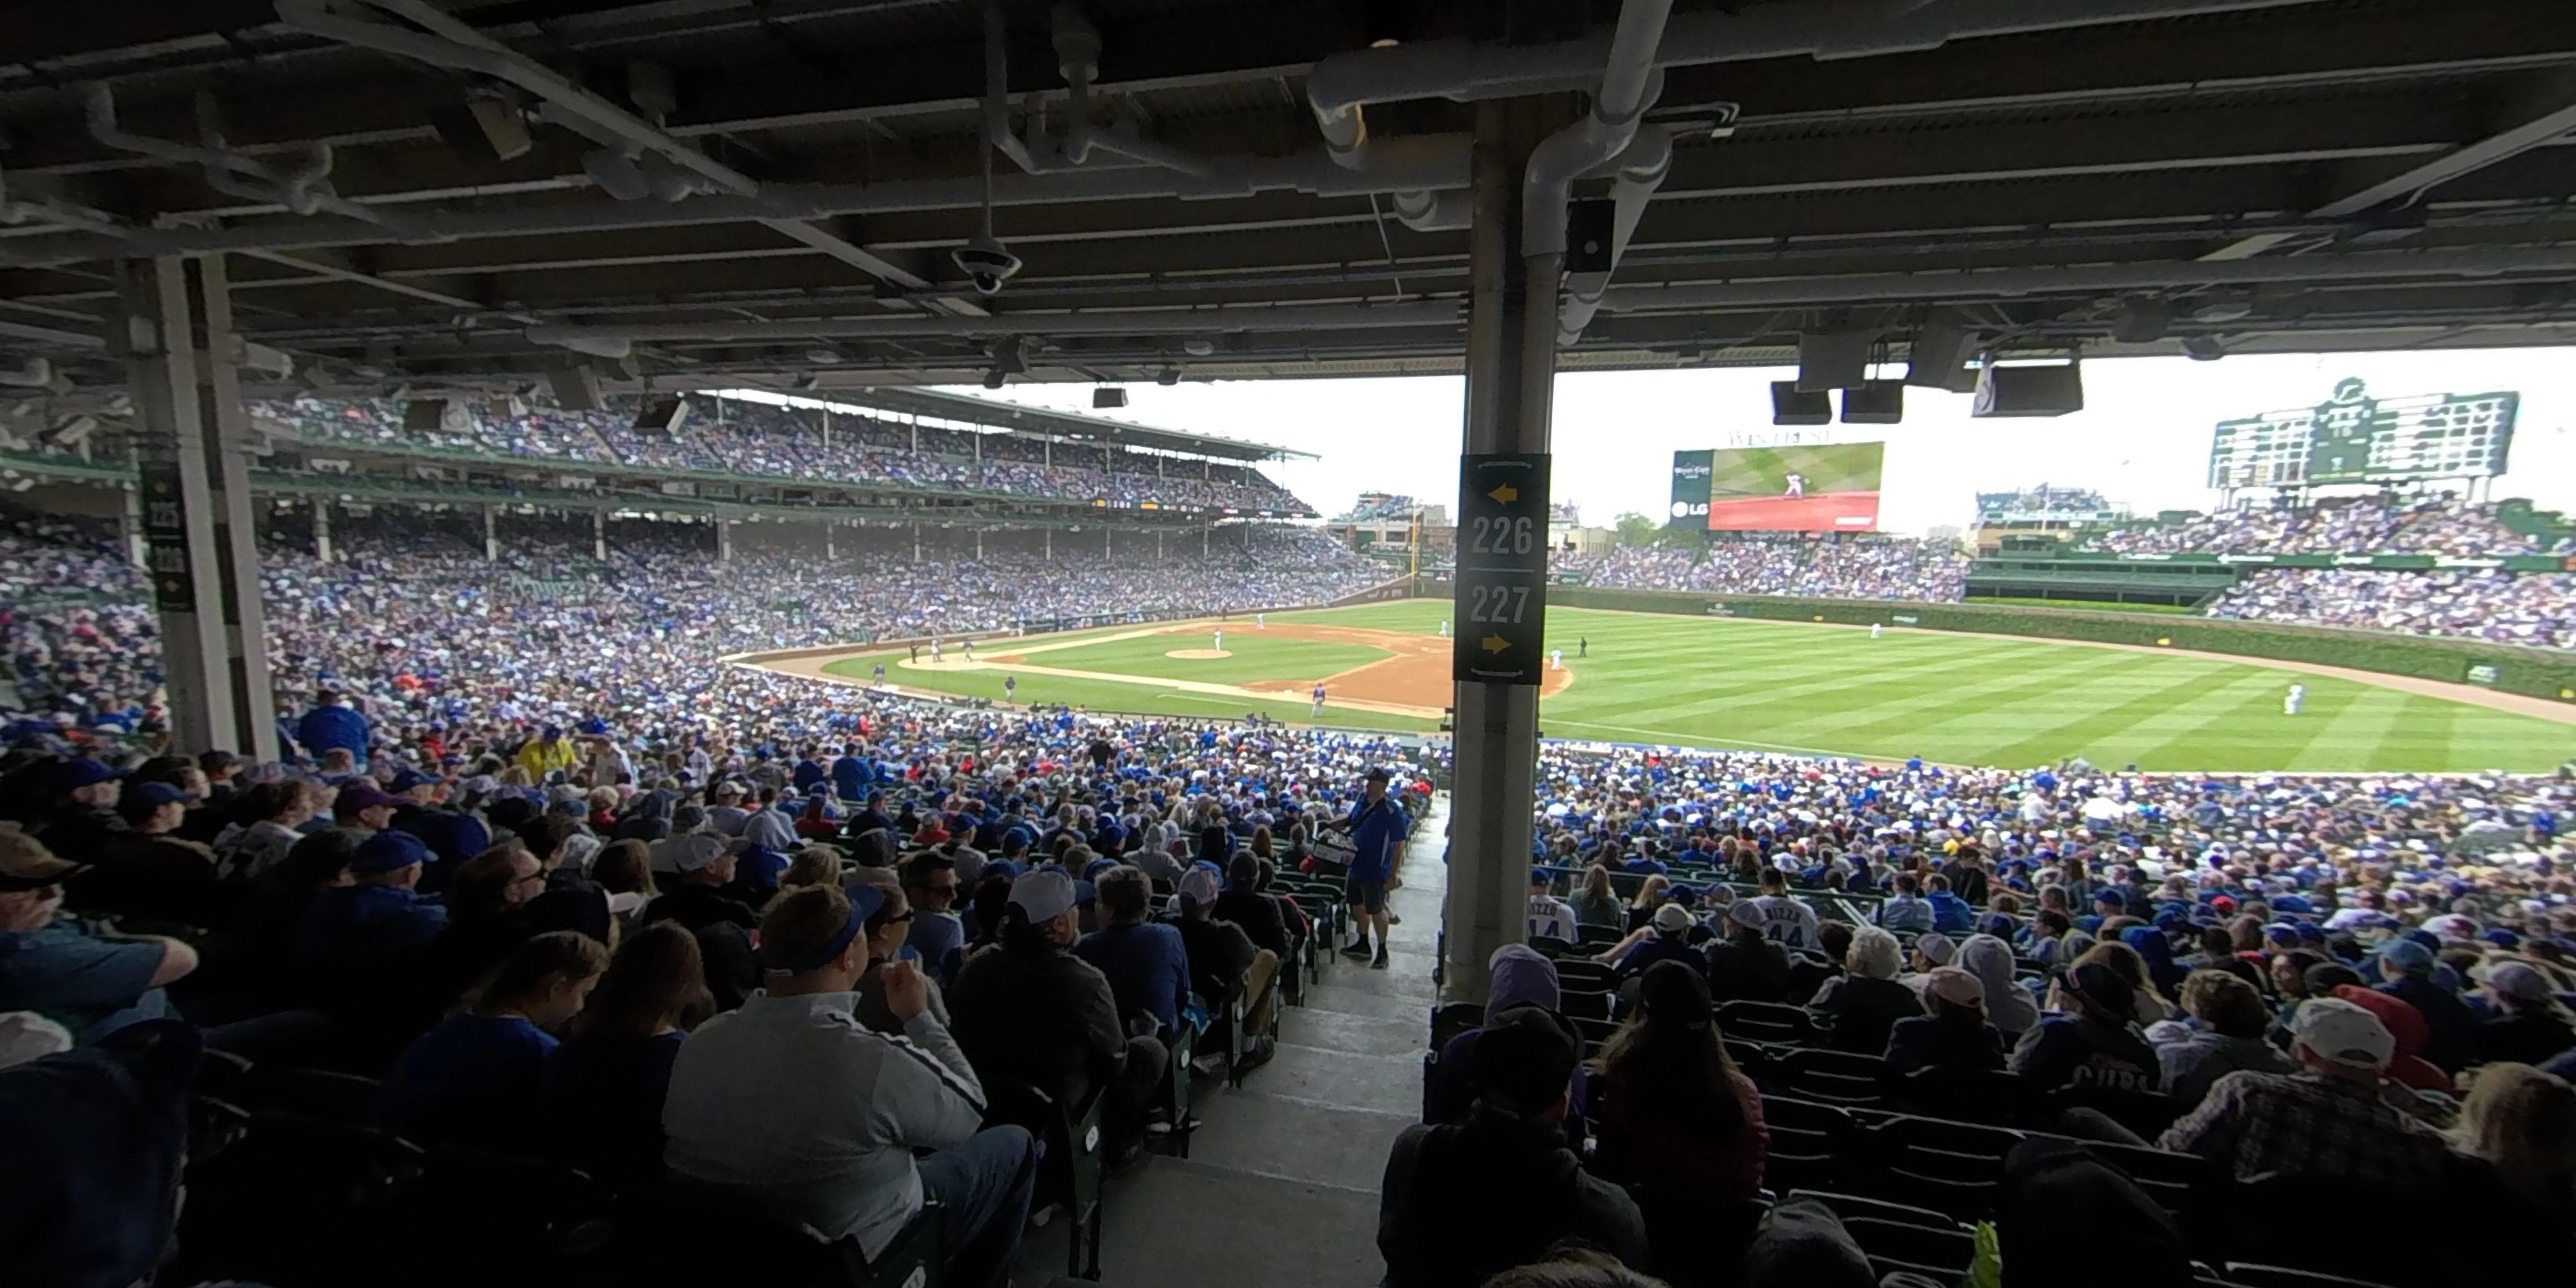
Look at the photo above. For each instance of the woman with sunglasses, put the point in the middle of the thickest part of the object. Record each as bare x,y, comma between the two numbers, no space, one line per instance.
887,926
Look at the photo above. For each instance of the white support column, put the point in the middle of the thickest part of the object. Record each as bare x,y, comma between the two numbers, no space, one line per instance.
916,435
491,532
1511,372
1107,551
916,543
1050,543
129,529
831,550
245,615
322,528
827,429
724,541
158,344
979,544
599,535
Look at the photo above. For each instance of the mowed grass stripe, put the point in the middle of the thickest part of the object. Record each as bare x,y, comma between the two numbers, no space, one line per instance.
2022,688
2116,734
2238,728
2351,722
2426,727
1793,677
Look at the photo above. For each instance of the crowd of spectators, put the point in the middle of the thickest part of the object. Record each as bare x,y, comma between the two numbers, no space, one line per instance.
800,982
410,611
772,441
2325,986
2536,609
2440,524
1839,568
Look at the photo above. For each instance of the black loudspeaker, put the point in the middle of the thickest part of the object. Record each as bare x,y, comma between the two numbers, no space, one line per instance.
662,416
575,388
1833,359
1791,406
1588,231
1939,358
1880,402
1108,396
2052,390
425,413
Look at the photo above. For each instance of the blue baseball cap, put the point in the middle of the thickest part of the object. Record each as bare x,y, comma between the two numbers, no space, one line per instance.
409,779
388,851
72,775
2408,956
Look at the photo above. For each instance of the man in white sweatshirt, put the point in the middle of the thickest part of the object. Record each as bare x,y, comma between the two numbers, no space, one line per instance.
794,1103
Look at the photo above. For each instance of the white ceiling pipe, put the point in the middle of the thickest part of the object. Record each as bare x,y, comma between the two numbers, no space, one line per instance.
1629,84
1417,162
1339,87
1213,321
1077,51
1436,212
2092,279
1642,167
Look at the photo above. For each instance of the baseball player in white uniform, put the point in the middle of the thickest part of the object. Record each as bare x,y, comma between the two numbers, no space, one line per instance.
2298,697
1261,621
934,650
1556,659
1220,641
1797,485
1874,629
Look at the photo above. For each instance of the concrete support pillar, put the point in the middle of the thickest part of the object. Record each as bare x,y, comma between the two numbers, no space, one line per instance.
979,543
322,528
1206,536
1050,543
724,541
916,435
1107,549
1048,448
831,549
916,543
1511,373
178,344
491,532
129,530
599,535
1158,547
827,429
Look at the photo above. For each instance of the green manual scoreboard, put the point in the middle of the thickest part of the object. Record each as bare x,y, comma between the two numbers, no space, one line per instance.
2355,437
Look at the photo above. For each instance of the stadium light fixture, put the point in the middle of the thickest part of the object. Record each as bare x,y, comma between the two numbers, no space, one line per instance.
2203,348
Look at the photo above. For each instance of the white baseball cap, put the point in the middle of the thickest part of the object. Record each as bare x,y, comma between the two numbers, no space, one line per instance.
2344,1033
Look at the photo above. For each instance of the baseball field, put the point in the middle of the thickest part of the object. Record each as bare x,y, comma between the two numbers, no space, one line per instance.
1779,686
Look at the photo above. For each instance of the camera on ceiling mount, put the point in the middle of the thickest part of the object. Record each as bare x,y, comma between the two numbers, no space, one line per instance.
987,263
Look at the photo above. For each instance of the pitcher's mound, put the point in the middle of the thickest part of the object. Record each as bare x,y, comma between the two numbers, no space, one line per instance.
1199,654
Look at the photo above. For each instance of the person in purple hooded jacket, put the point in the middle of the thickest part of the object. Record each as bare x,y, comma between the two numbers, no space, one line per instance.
1521,978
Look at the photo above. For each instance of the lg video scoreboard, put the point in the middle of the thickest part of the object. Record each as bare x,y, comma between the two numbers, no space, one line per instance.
2354,437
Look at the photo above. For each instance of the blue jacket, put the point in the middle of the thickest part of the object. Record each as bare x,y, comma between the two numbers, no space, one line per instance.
367,923
1951,914
1147,965
851,778
2452,1040
325,728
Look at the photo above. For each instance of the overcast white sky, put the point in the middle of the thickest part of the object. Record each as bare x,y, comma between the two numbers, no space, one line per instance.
2142,440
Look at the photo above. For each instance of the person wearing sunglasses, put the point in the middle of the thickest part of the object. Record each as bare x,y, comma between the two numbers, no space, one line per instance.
889,919
930,884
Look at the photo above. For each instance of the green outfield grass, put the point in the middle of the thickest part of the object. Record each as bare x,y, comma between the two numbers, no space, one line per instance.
1958,699
1254,659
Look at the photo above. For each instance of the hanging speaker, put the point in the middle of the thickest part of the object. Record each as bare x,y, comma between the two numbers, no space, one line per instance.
1791,405
425,413
575,388
1879,402
1938,355
1833,359
2055,389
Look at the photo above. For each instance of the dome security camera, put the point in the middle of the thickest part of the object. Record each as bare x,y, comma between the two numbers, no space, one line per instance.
987,263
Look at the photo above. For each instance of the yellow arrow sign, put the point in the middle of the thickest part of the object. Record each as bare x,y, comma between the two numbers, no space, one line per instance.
1495,643
1505,495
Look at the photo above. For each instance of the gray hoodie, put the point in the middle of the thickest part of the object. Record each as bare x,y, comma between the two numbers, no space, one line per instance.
2009,1006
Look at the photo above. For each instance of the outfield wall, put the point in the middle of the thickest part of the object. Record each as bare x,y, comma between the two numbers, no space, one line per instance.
2543,673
